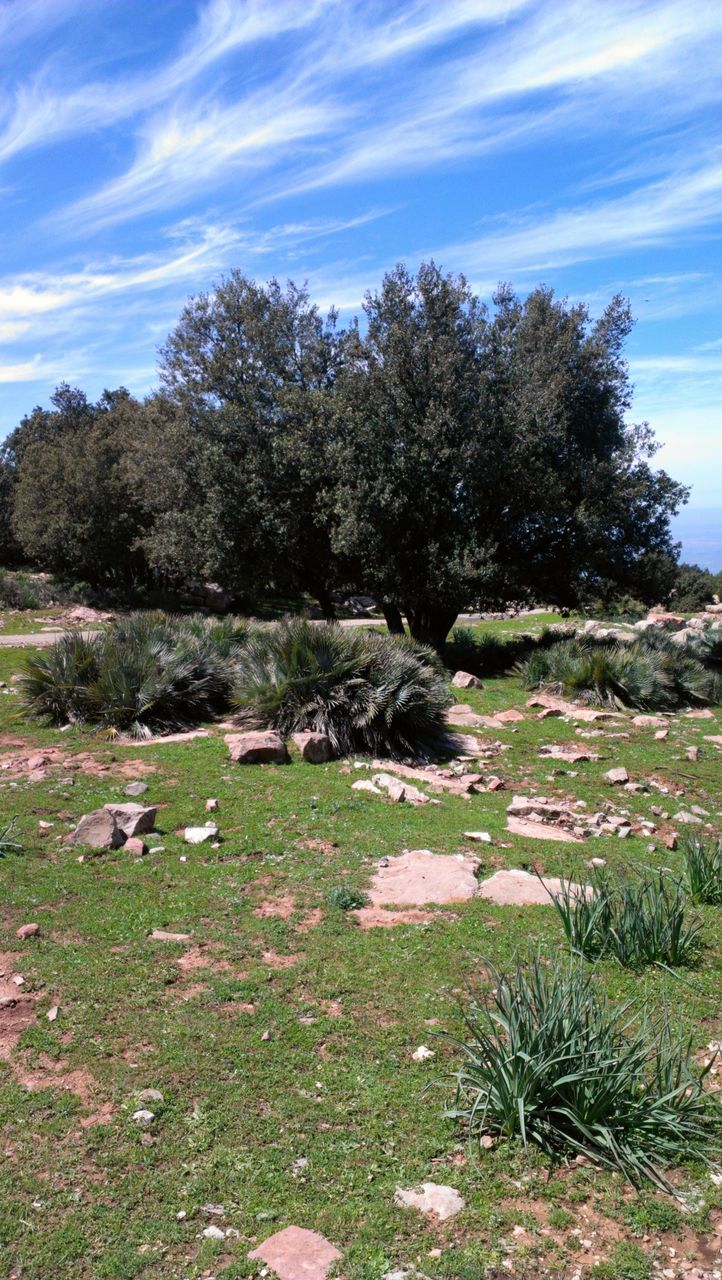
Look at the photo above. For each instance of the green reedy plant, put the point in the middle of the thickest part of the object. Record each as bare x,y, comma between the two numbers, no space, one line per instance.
8,843
638,922
548,1061
703,870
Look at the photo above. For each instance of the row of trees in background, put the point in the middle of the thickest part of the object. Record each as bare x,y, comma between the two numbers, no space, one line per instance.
444,456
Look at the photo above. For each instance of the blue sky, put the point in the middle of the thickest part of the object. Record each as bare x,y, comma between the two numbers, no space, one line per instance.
147,148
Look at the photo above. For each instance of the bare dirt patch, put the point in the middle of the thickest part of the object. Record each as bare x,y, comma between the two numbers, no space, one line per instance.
275,961
327,847
382,918
276,908
17,1008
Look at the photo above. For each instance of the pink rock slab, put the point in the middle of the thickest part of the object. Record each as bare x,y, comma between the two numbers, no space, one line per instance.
445,1202
540,830
550,702
420,876
521,889
297,1254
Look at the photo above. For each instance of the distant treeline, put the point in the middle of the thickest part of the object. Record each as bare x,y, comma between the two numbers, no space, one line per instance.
446,454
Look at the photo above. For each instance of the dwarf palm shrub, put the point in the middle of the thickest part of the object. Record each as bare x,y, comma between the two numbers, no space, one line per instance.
636,922
549,1061
374,693
651,674
149,672
703,869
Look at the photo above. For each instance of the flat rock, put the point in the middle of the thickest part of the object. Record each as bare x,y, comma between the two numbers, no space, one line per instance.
479,837
714,738
315,748
699,713
444,1202
540,830
136,789
136,847
28,931
257,747
133,819
521,889
467,718
297,1254
512,716
436,779
465,680
686,818
398,790
617,776
650,722
98,830
162,935
568,754
550,702
365,784
419,876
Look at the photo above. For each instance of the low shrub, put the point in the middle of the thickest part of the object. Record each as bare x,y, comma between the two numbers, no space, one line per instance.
20,589
550,1062
651,674
703,870
637,922
485,653
344,898
369,692
150,672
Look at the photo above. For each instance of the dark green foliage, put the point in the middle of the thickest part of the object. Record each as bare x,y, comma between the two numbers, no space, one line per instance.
379,694
637,922
549,1061
651,673
345,898
150,672
75,509
8,843
707,648
693,588
703,869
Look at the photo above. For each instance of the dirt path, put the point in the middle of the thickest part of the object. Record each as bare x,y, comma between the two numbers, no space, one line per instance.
42,639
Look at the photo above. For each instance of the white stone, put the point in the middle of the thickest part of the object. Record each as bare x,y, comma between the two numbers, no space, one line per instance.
445,1202
198,835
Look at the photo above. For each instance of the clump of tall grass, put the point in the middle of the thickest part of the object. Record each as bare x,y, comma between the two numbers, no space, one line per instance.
8,843
369,692
703,870
651,674
549,1061
485,653
638,922
149,672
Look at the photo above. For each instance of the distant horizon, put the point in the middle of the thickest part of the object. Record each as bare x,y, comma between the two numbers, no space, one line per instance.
699,529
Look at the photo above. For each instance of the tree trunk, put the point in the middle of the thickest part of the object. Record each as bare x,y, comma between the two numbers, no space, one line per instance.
431,625
326,605
392,614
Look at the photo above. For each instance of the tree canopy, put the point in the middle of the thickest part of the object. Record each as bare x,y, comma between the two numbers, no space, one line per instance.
441,454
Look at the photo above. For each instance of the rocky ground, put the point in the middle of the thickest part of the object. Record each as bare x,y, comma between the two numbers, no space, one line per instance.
209,1070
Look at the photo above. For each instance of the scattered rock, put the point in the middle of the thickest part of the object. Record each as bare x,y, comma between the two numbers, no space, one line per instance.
364,784
143,1118
617,776
52,1013
27,931
136,847
419,876
199,835
512,716
423,1053
162,935
465,680
688,819
444,1202
211,805
315,748
133,819
98,830
401,792
214,1233
567,753
257,747
691,753
480,837
297,1254
521,889
550,702
136,789
151,1095
650,722
716,739
699,713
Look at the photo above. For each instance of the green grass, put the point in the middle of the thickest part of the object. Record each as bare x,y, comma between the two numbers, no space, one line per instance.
335,1083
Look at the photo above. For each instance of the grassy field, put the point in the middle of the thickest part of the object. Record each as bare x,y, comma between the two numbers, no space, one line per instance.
281,1034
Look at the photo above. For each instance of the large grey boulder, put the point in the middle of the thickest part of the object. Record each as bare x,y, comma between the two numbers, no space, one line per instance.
133,819
98,830
257,747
